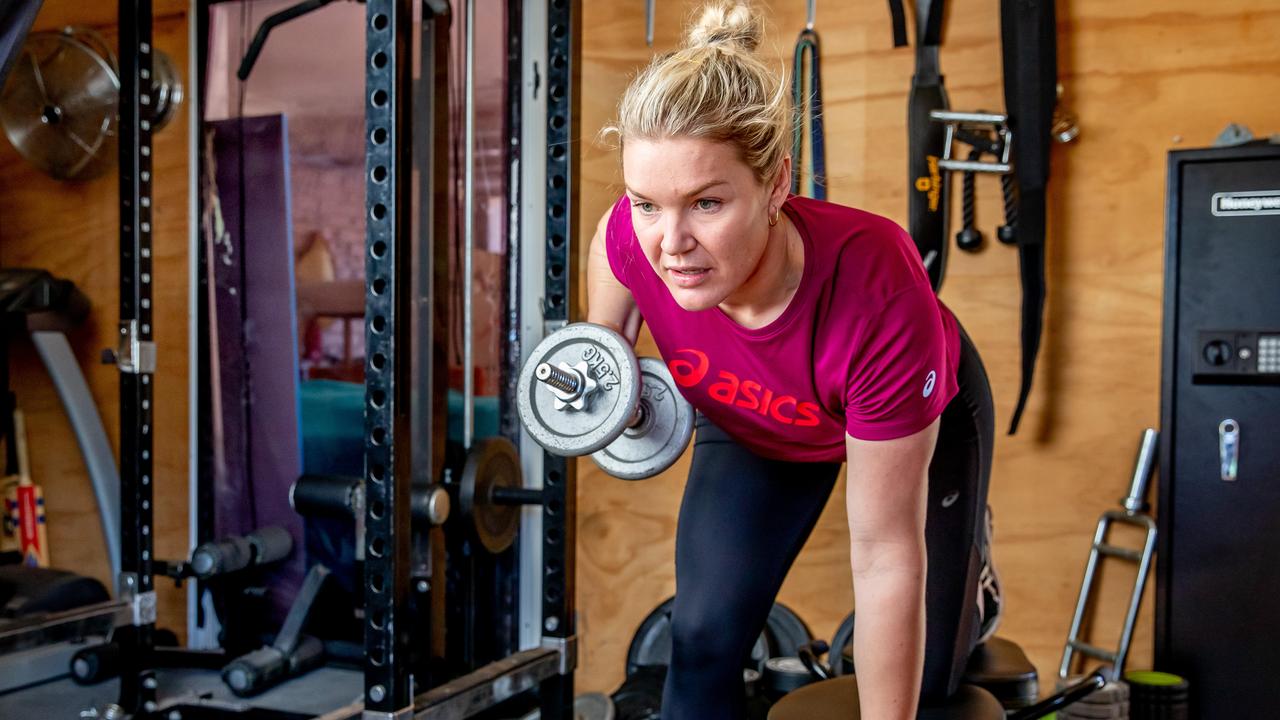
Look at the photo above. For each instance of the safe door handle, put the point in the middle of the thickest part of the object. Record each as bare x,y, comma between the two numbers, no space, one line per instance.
1229,448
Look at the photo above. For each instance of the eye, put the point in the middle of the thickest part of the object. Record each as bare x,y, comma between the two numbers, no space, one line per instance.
707,204
645,208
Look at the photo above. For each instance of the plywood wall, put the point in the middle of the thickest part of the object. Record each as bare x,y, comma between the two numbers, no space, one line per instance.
71,230
1143,77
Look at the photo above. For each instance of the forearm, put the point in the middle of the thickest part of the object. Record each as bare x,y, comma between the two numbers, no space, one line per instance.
889,633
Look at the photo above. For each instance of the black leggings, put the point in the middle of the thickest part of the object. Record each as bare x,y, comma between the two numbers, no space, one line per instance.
744,519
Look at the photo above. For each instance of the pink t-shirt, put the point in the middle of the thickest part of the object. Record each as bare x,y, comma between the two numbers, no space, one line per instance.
864,347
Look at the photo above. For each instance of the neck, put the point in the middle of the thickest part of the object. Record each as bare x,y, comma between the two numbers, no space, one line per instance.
769,289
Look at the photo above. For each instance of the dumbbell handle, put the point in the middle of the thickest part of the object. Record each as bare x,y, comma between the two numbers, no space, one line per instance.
568,382
516,496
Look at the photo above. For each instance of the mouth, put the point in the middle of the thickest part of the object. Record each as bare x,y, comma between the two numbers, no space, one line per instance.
688,276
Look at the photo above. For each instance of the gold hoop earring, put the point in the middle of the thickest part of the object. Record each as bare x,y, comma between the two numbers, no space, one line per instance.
773,221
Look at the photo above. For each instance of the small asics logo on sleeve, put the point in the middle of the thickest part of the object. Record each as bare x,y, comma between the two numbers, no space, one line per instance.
929,382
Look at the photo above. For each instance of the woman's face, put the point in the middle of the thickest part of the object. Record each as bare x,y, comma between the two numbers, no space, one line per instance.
700,214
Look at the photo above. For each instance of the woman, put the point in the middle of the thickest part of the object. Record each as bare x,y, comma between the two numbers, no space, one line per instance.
805,333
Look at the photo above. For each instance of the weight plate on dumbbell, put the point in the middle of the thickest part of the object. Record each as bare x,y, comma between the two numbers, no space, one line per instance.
787,631
491,463
651,646
611,363
662,433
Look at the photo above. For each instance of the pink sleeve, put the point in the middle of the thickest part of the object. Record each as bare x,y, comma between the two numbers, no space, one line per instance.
619,241
899,378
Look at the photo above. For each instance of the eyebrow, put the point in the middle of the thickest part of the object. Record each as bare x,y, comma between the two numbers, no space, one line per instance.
697,191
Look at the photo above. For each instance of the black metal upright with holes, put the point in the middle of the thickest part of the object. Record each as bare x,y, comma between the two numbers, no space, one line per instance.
559,476
136,357
388,296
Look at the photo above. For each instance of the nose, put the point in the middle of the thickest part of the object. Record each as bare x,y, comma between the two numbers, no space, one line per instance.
676,239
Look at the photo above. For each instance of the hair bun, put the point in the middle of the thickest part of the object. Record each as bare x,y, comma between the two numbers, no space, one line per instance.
726,23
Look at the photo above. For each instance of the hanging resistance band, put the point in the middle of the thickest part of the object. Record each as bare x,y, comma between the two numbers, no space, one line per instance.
928,186
813,176
1030,56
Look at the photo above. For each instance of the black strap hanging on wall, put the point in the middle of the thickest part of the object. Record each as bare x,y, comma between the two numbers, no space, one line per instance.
928,187
808,115
1030,56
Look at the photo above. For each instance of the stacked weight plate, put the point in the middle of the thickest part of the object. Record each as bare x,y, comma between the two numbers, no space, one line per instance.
1109,703
769,670
1158,696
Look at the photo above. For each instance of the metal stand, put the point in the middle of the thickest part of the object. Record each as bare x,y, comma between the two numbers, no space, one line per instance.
388,277
136,356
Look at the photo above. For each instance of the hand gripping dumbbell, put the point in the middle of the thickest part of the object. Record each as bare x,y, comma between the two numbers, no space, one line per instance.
583,392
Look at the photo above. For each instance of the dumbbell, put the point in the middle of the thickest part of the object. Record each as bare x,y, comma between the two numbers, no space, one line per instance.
584,392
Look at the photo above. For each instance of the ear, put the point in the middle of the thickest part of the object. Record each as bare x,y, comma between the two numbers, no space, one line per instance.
781,185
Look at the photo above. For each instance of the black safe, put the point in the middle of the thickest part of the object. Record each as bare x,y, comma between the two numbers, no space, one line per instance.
1217,617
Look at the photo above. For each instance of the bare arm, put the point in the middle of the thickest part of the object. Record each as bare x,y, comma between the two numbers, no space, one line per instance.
886,499
609,302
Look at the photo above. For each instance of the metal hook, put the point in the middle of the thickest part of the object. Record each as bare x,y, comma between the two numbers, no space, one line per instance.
648,21
812,12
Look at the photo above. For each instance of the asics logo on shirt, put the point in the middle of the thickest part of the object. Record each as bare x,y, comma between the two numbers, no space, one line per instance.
929,382
749,395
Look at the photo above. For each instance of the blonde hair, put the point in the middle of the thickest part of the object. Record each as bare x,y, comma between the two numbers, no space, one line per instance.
715,87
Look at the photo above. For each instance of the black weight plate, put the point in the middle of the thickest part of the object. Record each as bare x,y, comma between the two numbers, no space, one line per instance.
787,631
640,696
651,645
492,462
840,657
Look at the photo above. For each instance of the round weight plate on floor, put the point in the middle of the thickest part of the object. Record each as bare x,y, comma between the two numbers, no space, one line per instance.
593,706
640,696
659,439
587,706
491,463
787,631
651,645
610,362
1085,711
839,643
783,674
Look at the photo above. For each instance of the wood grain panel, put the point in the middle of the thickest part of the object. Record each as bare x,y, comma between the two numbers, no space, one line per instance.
70,229
1143,77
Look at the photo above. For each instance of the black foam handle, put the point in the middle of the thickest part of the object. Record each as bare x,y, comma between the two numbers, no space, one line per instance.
270,544
324,494
260,547
93,664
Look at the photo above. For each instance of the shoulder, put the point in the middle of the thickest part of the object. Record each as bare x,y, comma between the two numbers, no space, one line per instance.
616,221
866,258
617,236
